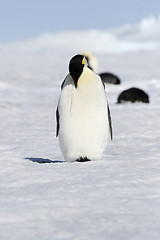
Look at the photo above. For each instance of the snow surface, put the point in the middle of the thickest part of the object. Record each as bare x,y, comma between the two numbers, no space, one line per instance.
41,196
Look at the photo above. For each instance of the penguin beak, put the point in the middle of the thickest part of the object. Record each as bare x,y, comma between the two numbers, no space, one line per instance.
83,61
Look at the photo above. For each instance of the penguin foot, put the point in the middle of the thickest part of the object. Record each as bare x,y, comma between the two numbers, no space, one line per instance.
83,159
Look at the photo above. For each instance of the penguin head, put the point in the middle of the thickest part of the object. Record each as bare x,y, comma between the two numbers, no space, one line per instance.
76,66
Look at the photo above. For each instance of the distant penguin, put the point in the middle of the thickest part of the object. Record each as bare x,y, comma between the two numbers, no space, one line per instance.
133,95
83,116
110,78
91,60
93,65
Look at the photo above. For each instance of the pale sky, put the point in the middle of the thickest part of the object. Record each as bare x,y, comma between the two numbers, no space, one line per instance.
23,19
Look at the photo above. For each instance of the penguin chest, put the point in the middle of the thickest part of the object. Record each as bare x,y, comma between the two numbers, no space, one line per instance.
86,110
87,116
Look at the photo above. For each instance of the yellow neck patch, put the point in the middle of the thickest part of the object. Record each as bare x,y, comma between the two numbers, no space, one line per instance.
86,77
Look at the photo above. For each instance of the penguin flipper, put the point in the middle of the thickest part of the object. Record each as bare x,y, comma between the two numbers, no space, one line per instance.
110,122
57,119
62,85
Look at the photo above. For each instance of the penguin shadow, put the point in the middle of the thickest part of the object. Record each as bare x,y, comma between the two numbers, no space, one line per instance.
43,160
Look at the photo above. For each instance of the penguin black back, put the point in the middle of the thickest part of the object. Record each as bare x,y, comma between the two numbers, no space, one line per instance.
110,78
133,95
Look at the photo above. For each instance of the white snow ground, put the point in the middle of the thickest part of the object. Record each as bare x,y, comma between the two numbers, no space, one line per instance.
117,198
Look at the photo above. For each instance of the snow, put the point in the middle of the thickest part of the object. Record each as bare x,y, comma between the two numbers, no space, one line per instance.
41,196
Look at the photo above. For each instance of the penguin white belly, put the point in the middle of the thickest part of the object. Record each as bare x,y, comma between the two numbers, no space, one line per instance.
84,123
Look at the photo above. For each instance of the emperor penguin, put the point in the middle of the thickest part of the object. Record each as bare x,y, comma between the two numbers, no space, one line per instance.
83,116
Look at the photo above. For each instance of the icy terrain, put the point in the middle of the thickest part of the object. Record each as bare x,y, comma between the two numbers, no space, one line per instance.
41,196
